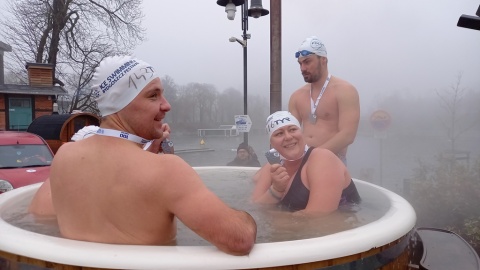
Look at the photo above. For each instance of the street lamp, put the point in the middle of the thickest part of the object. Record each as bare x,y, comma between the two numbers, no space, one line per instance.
472,22
256,11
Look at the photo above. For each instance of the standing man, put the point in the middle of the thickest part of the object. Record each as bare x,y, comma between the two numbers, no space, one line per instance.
327,107
107,189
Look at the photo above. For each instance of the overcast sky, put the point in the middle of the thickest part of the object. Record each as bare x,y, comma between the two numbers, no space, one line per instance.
410,47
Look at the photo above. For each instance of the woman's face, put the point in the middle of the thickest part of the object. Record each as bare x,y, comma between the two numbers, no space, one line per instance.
288,141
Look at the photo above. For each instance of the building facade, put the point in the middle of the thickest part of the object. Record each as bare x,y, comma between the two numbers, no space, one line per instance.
21,104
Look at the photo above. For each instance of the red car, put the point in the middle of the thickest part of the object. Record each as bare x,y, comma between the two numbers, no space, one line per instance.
25,159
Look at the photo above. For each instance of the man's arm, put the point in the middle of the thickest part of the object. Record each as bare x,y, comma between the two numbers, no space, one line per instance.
42,203
292,107
349,116
230,230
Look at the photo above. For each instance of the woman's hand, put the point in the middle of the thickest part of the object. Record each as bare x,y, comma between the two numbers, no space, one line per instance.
280,178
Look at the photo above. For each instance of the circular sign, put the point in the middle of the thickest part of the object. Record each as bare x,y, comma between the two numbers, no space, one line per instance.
380,120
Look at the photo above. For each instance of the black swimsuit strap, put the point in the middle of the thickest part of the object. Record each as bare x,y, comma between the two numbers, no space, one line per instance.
297,195
307,154
305,158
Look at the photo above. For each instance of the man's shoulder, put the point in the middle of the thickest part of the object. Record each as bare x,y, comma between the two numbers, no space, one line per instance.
167,160
68,150
297,94
342,84
159,170
301,89
66,147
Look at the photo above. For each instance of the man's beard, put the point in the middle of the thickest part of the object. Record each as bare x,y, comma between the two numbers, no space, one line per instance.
309,78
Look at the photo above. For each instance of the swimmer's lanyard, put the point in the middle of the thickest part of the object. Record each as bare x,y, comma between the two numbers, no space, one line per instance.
122,135
313,116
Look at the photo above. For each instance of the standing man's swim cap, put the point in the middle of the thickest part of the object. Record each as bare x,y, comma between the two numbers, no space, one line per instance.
313,45
280,119
118,80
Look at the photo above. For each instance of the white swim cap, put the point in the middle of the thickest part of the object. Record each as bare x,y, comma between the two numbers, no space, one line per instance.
118,80
312,44
280,119
84,133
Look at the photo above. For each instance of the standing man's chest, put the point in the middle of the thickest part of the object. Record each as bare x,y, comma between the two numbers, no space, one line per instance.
327,106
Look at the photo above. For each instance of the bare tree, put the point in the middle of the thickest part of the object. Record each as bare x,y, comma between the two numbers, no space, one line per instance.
186,108
258,110
11,78
171,94
456,121
230,104
204,103
73,35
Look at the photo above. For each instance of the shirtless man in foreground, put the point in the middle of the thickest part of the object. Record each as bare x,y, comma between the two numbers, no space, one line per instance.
106,189
42,205
327,107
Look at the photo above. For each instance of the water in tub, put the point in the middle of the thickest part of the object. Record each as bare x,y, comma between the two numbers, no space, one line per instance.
234,186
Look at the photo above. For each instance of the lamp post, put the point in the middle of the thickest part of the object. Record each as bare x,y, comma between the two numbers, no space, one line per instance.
256,11
472,22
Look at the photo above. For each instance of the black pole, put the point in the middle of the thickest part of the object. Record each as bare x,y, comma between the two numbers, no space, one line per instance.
245,37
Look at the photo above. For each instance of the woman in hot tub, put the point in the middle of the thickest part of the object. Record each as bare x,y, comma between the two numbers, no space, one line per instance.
306,179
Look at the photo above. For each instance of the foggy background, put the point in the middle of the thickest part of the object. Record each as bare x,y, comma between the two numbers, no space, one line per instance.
410,47
406,57
398,54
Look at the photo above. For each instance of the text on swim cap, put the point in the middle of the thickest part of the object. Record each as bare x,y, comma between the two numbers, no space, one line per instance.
117,75
316,44
134,77
276,122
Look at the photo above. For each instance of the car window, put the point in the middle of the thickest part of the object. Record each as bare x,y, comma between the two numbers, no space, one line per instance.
18,156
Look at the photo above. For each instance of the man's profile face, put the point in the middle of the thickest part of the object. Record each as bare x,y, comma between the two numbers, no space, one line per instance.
310,67
242,154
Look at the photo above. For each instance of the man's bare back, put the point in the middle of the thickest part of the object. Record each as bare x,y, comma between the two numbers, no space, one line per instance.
120,201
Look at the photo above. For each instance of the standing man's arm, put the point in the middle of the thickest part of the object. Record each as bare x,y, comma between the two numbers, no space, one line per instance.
292,107
348,119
